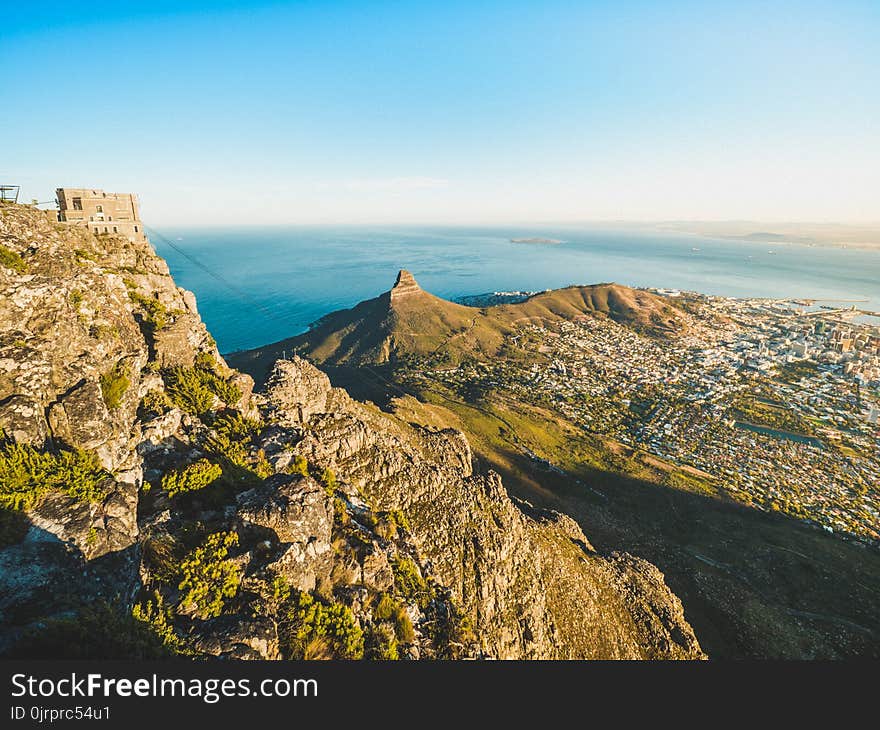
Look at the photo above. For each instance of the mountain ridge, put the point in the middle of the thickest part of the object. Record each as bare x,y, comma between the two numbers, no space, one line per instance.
406,322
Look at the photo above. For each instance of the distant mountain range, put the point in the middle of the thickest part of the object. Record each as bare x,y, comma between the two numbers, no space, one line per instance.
865,235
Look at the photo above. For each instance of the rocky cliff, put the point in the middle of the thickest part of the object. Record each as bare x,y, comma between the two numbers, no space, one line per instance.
150,504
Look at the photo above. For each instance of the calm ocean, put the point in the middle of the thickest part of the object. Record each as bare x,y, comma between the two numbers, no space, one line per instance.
298,274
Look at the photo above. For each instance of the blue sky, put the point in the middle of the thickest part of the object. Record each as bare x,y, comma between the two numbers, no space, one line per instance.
448,111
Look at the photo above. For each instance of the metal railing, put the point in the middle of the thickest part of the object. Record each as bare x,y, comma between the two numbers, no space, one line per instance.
9,193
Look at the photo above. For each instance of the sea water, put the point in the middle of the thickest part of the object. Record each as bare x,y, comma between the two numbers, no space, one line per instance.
285,278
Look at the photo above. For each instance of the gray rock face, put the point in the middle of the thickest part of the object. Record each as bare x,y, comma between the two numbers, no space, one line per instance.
298,514
236,637
70,315
92,529
295,393
85,420
22,419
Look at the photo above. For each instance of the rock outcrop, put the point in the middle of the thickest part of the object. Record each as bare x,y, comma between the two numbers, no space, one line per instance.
244,526
530,581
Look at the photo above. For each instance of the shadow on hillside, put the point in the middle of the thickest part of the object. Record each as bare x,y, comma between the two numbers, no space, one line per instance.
45,584
753,584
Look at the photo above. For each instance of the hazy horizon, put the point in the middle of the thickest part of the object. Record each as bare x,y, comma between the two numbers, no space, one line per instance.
477,113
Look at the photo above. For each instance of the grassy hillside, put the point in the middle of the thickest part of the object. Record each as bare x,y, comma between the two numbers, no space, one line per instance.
407,324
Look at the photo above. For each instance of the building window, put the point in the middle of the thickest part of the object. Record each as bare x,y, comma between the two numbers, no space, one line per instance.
115,230
100,208
109,217
135,229
77,203
105,230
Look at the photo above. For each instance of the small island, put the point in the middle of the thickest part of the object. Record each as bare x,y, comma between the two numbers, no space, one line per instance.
535,240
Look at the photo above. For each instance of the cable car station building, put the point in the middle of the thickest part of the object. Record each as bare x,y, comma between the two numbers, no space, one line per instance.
101,212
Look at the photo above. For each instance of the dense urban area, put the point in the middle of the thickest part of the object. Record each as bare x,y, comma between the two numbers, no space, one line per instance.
777,402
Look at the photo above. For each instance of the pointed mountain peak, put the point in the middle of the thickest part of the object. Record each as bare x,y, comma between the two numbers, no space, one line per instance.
404,286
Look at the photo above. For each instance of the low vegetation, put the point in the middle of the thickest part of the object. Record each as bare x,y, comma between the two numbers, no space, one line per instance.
209,576
387,609
409,584
155,403
231,441
99,631
312,629
327,477
299,465
381,643
114,384
160,619
194,389
191,478
756,411
27,475
11,260
155,314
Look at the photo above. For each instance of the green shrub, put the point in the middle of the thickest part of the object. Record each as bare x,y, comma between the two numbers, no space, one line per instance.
340,512
114,384
387,609
381,644
408,582
299,465
225,390
279,590
12,260
398,519
160,619
230,444
384,608
76,298
28,475
155,313
403,627
205,361
155,403
188,392
388,524
193,389
209,578
231,437
315,630
98,631
191,478
328,479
